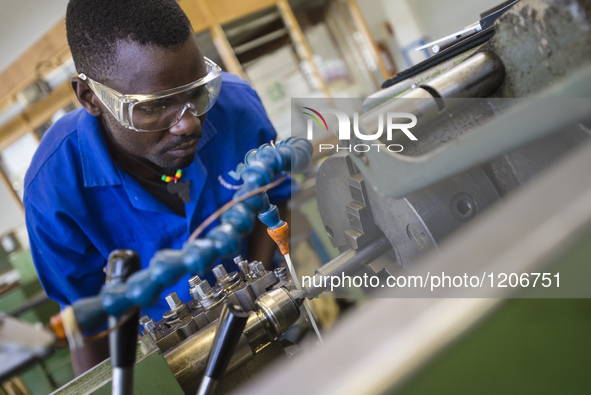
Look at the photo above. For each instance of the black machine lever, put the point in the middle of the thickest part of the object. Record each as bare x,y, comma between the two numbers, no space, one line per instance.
230,327
123,339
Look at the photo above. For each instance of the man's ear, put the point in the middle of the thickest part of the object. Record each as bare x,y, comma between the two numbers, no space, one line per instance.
86,96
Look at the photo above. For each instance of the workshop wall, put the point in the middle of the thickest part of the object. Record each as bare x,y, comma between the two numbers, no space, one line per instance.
23,22
11,216
403,25
439,18
408,32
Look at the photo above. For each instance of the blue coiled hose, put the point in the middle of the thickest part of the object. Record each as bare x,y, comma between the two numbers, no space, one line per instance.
168,266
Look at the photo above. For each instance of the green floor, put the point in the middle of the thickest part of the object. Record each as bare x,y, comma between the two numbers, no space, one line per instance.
529,346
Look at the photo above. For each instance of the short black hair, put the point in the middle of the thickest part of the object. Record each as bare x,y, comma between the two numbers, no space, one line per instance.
94,27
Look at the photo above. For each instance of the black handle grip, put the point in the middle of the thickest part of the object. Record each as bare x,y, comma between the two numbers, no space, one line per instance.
122,264
123,341
230,327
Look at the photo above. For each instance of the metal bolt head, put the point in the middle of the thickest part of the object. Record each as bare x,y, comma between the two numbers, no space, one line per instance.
173,300
194,280
238,259
280,272
149,324
219,272
243,266
203,289
257,267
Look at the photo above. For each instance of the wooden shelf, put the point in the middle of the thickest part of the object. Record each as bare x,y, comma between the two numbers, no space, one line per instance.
203,15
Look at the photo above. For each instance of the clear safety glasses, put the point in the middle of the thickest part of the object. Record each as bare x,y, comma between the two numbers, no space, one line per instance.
161,110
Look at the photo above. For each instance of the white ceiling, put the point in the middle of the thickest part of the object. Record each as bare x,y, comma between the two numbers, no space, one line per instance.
23,22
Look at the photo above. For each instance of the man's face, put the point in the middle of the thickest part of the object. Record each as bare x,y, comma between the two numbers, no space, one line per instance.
142,69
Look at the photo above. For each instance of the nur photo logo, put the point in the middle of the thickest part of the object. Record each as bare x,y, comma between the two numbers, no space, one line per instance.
386,123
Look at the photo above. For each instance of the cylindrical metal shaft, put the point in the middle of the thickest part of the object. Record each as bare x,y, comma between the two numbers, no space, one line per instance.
477,76
273,314
349,262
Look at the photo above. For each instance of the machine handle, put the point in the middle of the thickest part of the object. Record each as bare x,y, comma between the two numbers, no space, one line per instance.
230,327
122,264
123,340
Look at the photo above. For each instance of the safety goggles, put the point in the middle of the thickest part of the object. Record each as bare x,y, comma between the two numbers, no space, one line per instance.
160,110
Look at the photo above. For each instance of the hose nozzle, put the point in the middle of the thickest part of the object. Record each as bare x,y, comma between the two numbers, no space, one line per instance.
280,236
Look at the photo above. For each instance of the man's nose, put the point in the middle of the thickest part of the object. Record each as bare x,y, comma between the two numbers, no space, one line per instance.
188,124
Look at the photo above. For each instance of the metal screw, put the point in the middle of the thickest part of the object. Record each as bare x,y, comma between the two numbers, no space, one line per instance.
257,267
329,231
280,272
243,266
173,300
194,281
203,289
238,259
464,207
150,326
148,323
219,272
260,268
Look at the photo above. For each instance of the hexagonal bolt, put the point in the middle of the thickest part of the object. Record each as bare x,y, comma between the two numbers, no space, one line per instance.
243,266
219,272
257,267
201,290
194,280
173,301
148,323
238,259
150,326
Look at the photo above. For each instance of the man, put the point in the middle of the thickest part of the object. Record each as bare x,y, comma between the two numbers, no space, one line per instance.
147,158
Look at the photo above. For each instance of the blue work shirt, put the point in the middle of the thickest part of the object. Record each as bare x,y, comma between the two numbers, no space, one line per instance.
80,205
